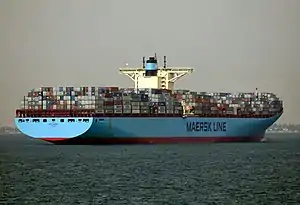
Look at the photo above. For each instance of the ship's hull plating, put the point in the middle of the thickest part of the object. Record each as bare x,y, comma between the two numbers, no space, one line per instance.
125,130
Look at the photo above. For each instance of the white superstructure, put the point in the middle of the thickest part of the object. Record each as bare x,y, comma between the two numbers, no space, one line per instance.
163,79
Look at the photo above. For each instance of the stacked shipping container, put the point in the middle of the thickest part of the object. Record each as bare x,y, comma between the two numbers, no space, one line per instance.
112,100
230,103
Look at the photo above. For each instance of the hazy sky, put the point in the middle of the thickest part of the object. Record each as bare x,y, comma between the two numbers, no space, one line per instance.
234,45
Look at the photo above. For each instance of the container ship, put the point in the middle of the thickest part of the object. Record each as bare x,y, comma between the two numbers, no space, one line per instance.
150,112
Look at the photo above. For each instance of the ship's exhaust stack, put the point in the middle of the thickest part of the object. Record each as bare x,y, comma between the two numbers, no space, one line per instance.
151,66
165,61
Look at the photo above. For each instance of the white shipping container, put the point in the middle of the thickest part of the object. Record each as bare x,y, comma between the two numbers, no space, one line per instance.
118,111
135,107
135,111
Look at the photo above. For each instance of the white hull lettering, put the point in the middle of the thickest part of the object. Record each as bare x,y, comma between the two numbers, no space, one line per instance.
206,126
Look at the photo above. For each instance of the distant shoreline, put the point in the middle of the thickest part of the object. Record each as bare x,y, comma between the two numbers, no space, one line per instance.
282,132
10,133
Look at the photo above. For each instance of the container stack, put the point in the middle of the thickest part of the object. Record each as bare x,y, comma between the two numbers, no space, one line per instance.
112,100
229,103
127,106
63,98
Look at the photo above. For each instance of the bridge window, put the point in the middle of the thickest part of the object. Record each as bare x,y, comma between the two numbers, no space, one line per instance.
79,120
71,120
86,120
20,120
53,120
44,120
62,120
27,120
35,120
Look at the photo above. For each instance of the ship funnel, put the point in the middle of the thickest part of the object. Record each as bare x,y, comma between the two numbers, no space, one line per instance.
165,61
143,62
151,66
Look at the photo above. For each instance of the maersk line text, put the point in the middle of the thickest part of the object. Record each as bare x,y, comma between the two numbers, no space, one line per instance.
206,126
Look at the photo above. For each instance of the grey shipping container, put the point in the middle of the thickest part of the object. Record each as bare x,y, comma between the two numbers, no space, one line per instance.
127,111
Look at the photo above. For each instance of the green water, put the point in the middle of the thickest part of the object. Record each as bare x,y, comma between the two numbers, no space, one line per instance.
33,172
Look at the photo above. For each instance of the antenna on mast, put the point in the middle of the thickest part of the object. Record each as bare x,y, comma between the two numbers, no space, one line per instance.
144,62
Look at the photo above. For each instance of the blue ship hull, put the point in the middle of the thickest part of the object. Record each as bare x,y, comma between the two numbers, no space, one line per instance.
119,130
